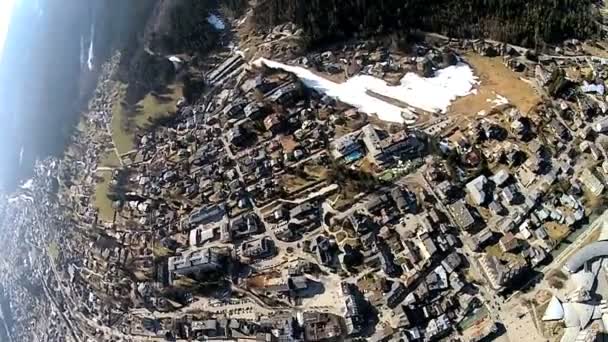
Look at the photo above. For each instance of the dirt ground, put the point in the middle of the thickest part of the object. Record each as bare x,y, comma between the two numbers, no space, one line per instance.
495,79
557,231
601,50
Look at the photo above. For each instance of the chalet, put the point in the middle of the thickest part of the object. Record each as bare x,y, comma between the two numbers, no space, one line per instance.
274,123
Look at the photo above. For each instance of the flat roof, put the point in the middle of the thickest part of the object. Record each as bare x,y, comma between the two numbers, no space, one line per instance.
585,254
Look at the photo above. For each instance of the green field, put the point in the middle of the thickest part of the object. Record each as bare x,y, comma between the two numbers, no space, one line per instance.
53,251
127,122
109,159
102,202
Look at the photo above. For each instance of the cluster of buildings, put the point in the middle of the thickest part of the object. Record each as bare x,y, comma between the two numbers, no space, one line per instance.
271,199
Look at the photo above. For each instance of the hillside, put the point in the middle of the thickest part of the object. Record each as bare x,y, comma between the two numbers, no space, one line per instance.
516,21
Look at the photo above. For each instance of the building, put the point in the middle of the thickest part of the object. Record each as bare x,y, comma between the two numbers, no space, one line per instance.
427,246
208,214
500,177
273,123
508,242
260,248
301,210
475,189
346,146
236,136
542,75
601,126
396,295
284,95
234,109
201,235
500,273
591,182
438,327
403,204
253,111
451,262
244,226
195,263
384,148
354,317
462,215
321,326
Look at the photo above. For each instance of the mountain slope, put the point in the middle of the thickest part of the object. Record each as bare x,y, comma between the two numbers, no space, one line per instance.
516,21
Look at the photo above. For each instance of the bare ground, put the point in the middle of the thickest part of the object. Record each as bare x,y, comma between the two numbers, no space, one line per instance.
495,78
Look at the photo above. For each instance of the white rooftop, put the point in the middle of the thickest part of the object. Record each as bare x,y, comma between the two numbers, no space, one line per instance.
555,310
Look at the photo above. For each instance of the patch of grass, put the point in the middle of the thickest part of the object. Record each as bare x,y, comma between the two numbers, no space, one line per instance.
305,177
293,183
126,122
53,251
345,197
557,231
102,202
156,106
160,251
497,252
109,159
340,236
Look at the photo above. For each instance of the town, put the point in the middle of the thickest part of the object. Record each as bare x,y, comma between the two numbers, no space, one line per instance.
281,205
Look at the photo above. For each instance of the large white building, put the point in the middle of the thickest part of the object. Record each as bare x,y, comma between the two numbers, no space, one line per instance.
475,189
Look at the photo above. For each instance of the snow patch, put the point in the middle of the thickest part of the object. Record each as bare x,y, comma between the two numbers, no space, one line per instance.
498,101
216,22
175,59
28,184
430,94
91,56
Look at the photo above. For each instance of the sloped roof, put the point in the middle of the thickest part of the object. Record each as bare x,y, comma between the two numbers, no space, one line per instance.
603,232
570,334
583,280
571,316
555,310
585,313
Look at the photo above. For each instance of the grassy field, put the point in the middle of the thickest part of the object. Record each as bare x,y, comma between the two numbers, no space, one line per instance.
496,251
53,251
102,202
495,78
126,122
109,159
557,231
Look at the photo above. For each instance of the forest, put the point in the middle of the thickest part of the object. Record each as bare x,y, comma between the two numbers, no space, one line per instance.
180,26
522,22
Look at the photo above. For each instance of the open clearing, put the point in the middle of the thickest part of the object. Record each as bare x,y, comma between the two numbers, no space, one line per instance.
496,79
102,202
126,122
109,159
